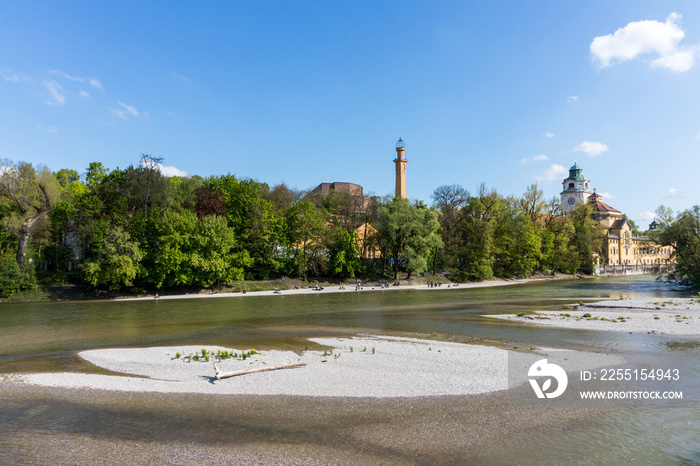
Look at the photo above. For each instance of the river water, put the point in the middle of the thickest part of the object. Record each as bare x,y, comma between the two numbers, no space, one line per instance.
44,425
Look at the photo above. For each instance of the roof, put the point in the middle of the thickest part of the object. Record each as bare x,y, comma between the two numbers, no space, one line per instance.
600,207
618,224
576,173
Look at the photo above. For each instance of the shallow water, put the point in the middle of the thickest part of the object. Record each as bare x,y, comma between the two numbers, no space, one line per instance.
47,337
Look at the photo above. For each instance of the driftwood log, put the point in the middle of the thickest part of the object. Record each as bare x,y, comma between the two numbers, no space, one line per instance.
224,375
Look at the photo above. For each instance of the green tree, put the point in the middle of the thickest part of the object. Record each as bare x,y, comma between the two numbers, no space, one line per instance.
95,174
587,238
11,276
252,220
557,230
343,253
480,216
532,202
194,251
33,193
516,244
115,260
449,200
409,233
305,228
683,235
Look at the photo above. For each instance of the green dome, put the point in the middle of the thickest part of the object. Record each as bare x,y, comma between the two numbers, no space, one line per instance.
576,173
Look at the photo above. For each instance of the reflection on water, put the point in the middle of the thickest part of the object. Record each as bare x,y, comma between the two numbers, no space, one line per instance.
47,337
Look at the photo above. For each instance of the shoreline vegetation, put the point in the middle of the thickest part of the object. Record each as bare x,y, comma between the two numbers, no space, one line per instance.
107,233
288,286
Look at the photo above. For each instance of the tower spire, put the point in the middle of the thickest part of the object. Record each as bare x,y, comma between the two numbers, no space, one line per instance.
400,163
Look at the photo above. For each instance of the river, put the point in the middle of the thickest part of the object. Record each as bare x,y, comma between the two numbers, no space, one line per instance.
49,426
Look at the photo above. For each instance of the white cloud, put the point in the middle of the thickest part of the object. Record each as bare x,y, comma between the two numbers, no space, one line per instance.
164,170
125,111
51,129
591,149
536,158
13,77
169,171
572,98
96,83
178,76
646,37
607,196
67,76
548,135
674,193
85,94
554,172
647,216
679,61
56,92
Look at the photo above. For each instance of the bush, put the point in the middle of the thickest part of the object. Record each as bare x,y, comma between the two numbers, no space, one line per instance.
10,277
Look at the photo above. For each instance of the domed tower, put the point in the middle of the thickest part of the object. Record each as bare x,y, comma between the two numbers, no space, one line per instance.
577,188
400,163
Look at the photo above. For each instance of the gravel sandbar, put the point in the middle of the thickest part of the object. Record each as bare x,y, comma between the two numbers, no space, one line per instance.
676,316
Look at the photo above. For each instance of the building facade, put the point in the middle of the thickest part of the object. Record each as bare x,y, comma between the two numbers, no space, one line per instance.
621,245
341,187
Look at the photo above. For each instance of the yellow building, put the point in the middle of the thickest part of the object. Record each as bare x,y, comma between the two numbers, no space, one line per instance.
621,245
366,241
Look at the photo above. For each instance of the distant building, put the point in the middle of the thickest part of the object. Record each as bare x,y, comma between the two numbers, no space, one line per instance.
366,244
341,187
621,245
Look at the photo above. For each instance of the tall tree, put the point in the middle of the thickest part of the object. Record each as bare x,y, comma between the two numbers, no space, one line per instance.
480,214
683,235
449,200
114,258
305,230
33,193
587,238
516,243
409,233
252,220
532,202
344,256
95,174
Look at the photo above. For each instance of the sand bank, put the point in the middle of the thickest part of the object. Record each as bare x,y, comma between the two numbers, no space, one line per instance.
366,366
677,316
363,366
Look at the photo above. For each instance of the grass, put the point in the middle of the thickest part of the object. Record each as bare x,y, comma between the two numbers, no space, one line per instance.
218,356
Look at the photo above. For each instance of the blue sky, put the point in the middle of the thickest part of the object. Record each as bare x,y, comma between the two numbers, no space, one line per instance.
505,93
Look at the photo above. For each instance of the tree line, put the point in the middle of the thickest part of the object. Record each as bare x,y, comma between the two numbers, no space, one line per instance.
135,228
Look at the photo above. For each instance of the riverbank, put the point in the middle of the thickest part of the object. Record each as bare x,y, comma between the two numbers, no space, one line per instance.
677,316
71,292
293,288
